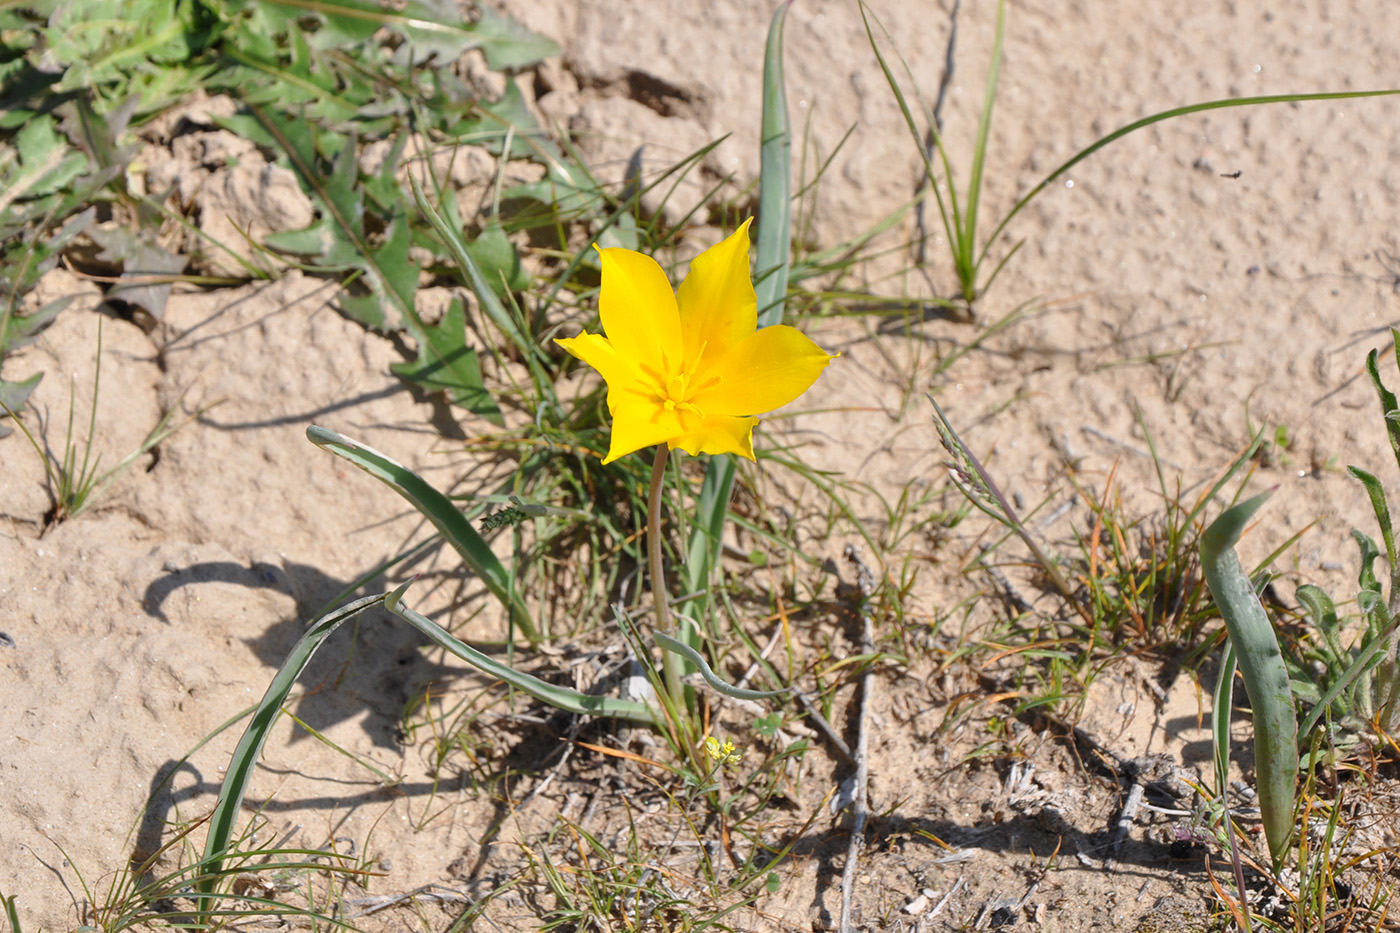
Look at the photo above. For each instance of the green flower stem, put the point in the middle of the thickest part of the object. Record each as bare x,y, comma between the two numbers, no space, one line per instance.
670,662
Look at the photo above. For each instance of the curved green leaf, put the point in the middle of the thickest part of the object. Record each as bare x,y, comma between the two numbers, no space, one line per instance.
1256,646
564,698
694,657
250,746
438,509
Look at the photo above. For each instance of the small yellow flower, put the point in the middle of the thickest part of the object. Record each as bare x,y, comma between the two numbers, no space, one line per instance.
722,754
690,369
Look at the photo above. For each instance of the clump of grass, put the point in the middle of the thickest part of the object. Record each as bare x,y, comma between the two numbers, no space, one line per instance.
1129,585
959,213
714,843
76,480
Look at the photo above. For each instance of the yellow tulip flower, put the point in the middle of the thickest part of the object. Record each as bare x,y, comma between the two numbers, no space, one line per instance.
690,369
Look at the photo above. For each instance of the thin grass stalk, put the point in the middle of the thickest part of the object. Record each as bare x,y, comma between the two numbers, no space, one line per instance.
1224,700
485,294
969,261
981,491
1122,131
1265,676
952,226
84,482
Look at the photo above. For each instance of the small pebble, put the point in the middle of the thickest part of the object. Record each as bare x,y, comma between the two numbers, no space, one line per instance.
6,641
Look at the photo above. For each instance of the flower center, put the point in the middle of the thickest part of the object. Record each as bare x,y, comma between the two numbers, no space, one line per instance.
677,393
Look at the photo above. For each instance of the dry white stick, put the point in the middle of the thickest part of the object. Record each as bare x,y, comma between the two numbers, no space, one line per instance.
947,897
860,806
428,892
1125,820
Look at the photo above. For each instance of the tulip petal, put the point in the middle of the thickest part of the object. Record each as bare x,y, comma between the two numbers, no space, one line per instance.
639,311
764,371
718,434
597,351
717,303
637,423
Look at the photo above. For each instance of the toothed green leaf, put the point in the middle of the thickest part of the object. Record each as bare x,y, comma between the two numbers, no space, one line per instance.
446,364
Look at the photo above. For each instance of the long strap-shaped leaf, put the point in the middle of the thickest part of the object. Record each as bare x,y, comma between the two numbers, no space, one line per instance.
250,746
1265,677
1220,719
774,249
714,680
571,701
775,182
439,510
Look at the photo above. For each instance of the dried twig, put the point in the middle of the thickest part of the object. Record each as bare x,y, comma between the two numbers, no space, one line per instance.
1125,821
860,804
428,892
838,744
947,897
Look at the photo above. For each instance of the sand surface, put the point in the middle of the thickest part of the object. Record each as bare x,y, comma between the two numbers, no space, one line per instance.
1198,279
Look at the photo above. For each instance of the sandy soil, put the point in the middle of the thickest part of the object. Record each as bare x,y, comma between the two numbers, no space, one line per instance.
1212,273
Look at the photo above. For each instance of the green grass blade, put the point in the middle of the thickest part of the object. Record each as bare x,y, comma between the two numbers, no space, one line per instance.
250,746
485,293
1220,718
11,912
1207,497
775,182
438,509
1122,131
580,704
1265,676
952,226
968,240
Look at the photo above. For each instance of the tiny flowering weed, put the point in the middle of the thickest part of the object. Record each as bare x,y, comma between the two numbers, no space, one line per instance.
690,369
722,753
